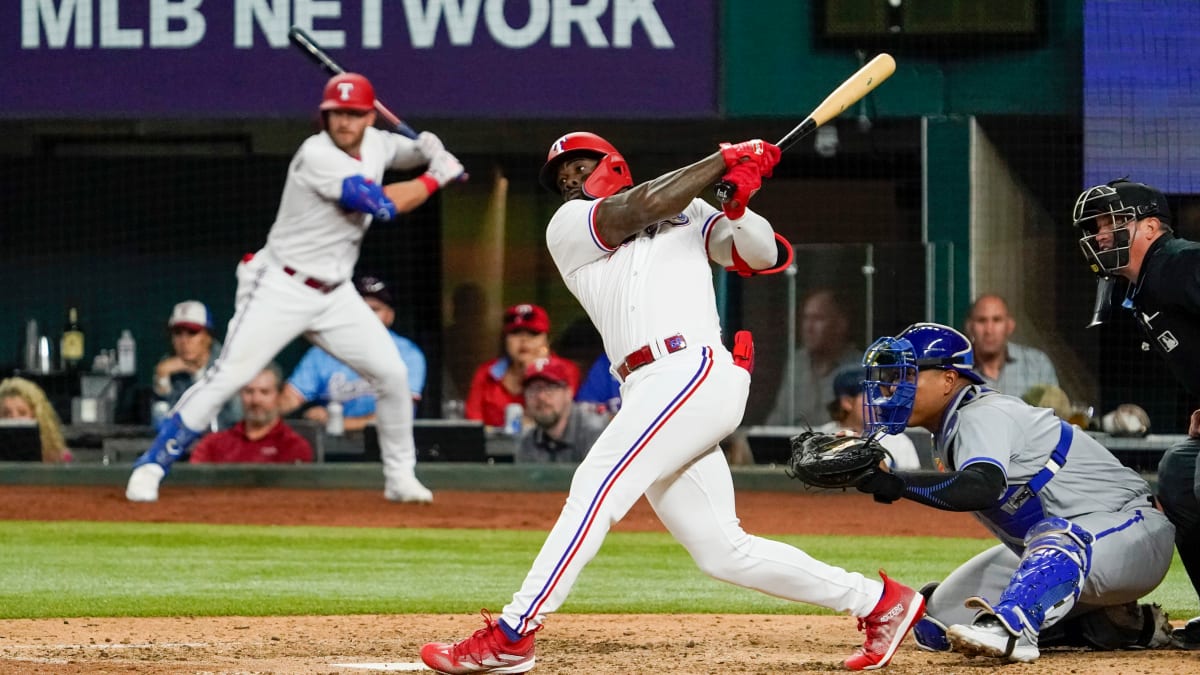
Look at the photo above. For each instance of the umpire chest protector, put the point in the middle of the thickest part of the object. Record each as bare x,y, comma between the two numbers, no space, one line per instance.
1164,305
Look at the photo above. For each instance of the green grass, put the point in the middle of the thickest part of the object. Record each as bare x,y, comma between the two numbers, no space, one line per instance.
67,569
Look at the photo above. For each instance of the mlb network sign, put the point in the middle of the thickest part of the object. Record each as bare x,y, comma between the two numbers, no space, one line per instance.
461,58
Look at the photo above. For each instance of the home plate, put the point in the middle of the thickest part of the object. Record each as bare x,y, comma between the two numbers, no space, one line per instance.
410,667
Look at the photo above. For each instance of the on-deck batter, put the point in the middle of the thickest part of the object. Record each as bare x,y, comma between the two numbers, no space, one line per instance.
1079,532
297,282
637,259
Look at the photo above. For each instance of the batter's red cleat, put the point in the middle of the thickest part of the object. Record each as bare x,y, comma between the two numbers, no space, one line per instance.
487,651
886,625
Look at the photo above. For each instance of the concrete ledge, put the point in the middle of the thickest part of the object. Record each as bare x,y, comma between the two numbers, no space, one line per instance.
438,476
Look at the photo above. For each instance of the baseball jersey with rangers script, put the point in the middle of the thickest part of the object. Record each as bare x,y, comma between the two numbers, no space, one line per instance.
649,287
281,445
312,233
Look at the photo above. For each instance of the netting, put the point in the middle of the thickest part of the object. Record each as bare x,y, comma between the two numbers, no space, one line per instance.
123,224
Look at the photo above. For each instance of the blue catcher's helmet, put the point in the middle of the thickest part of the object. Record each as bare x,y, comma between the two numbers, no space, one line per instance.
938,346
892,364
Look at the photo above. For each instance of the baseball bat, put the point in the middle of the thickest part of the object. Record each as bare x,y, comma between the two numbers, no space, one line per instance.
858,85
305,42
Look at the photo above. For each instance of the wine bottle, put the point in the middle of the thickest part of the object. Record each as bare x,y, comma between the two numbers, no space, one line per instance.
71,347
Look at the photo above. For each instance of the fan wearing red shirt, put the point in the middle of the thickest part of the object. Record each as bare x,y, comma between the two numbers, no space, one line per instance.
501,380
261,436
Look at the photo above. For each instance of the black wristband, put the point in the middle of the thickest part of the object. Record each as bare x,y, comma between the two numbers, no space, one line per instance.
887,487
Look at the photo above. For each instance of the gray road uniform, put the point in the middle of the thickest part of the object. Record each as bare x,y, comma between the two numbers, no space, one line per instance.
1063,491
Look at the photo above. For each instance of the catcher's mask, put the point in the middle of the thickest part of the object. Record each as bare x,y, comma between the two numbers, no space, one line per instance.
890,386
1106,216
892,366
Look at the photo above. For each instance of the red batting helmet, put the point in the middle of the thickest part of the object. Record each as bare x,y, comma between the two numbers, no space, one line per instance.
609,177
348,91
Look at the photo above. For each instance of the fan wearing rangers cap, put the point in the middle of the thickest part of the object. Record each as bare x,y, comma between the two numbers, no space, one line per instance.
1126,231
297,283
637,259
1079,533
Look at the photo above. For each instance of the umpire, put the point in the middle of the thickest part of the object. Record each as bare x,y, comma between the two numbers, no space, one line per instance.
1125,231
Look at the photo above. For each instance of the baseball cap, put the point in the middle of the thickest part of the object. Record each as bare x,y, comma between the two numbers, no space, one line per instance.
191,314
848,382
526,317
1146,200
370,286
552,369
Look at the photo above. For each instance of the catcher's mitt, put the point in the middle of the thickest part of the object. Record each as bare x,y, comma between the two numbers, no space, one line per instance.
828,461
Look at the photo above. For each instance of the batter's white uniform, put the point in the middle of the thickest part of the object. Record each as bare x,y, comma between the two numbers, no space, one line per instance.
674,411
319,240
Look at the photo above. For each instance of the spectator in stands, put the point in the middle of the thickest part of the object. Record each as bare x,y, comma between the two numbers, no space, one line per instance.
826,349
600,387
846,409
500,381
261,436
21,399
1005,366
563,430
193,348
321,378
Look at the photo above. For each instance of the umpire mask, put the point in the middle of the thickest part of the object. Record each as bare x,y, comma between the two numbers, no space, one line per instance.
890,387
1107,216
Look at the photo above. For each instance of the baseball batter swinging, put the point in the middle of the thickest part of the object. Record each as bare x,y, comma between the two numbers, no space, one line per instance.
637,259
297,282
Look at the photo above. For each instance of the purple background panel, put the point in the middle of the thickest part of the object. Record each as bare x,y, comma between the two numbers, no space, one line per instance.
475,76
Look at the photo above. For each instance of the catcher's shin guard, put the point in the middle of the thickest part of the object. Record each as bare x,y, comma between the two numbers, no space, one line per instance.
173,439
1047,582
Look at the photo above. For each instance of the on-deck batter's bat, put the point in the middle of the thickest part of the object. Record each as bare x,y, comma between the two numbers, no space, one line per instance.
847,94
305,42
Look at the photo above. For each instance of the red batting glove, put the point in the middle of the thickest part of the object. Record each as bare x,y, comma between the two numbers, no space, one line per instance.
765,155
745,181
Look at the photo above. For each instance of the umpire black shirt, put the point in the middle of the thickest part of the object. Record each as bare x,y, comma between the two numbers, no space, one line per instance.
1166,304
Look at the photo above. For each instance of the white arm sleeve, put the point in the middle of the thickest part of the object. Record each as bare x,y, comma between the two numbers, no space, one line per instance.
753,236
405,153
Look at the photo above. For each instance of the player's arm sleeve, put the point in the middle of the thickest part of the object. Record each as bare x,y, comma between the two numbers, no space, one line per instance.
572,236
974,488
404,151
750,236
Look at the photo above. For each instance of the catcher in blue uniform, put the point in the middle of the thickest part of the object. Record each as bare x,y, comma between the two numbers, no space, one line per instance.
1081,537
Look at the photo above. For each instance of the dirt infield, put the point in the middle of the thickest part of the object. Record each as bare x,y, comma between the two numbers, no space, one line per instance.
570,644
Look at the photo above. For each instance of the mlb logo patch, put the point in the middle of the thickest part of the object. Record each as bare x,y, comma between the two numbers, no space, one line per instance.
675,343
1168,341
